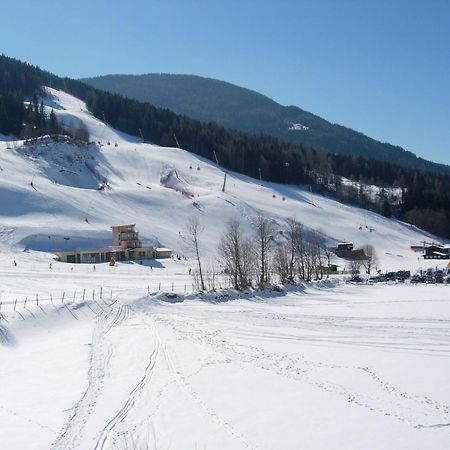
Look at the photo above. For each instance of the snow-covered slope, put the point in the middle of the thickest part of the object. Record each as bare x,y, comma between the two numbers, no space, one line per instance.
98,357
49,191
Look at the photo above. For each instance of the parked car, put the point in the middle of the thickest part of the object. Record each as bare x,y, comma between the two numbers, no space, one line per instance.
355,279
373,280
405,274
416,279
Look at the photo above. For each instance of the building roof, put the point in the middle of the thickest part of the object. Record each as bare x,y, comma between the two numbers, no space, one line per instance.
120,226
441,246
163,249
109,249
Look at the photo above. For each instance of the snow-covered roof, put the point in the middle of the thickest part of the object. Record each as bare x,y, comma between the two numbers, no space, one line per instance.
440,253
124,226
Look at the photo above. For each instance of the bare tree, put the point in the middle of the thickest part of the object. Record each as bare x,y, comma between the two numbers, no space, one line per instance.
355,266
294,234
371,257
230,251
193,232
247,268
263,236
211,277
316,248
236,255
300,250
327,253
309,258
281,260
196,284
289,253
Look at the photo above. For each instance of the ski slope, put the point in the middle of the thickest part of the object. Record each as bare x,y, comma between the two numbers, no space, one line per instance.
64,194
103,359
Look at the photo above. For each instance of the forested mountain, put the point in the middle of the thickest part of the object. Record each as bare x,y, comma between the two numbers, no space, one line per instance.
238,108
425,199
20,82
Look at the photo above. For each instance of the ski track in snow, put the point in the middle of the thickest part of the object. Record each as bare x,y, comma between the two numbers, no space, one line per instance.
118,424
101,352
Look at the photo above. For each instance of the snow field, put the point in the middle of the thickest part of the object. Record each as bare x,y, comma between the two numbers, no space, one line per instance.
318,368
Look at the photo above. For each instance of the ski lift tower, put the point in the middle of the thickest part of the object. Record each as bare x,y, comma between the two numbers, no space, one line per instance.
286,165
224,171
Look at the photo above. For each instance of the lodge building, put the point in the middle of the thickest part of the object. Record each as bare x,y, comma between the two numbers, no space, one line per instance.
437,252
126,246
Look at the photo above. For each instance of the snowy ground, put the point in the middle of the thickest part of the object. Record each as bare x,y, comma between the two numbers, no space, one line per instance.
102,360
325,367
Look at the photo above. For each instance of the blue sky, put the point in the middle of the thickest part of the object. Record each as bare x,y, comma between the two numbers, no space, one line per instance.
381,67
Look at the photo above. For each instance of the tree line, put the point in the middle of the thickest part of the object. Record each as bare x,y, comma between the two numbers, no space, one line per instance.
425,197
268,254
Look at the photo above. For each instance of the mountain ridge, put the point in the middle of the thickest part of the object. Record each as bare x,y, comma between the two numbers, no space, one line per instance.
244,109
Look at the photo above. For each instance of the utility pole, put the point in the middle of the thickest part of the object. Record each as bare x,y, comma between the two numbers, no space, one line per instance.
225,173
224,181
176,140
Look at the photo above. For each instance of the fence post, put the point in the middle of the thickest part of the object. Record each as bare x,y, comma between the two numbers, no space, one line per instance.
51,299
62,298
74,296
37,300
159,286
101,292
172,286
148,289
84,292
15,304
25,304
93,294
